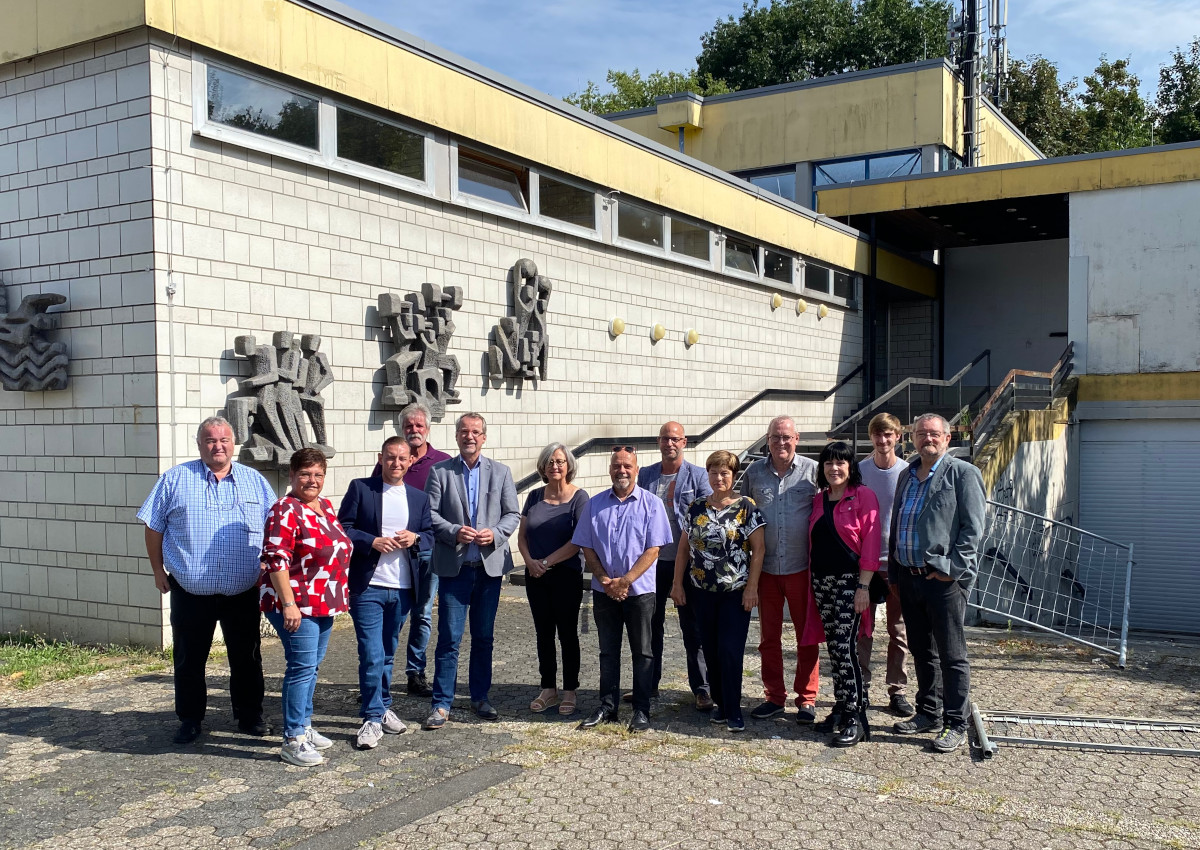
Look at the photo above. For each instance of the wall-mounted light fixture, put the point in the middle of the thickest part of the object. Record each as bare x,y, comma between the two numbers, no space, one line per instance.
801,306
776,301
692,337
657,332
822,311
616,327
611,198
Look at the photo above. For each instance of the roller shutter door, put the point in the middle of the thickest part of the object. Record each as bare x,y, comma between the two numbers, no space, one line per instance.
1139,483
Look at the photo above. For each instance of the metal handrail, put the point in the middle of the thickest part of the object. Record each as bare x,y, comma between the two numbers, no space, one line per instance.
1004,399
906,386
591,445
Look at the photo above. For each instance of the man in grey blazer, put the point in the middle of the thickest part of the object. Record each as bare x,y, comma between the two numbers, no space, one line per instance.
937,525
474,506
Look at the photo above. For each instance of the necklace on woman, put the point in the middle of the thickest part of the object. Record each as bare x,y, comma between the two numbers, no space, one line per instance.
723,502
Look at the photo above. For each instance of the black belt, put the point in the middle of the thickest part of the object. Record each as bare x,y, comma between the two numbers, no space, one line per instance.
472,563
917,571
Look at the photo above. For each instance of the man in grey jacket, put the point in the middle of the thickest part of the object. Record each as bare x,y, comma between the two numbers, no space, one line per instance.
474,508
677,483
937,525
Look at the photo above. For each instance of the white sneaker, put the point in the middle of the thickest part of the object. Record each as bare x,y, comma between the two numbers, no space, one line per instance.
369,735
316,740
392,724
300,752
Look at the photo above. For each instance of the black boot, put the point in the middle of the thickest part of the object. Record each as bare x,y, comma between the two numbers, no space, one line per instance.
854,729
834,720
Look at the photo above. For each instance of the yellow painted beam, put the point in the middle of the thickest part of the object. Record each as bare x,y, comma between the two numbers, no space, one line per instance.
1144,386
1048,177
31,27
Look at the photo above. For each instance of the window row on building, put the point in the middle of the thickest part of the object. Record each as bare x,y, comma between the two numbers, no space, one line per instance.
245,109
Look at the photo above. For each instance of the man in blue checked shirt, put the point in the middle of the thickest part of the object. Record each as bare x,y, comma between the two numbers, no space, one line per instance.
204,533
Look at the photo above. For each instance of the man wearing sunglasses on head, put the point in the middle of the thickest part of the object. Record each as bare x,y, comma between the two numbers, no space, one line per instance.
621,532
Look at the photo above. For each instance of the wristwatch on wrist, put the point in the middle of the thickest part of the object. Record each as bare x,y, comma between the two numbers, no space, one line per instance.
544,563
288,605
864,586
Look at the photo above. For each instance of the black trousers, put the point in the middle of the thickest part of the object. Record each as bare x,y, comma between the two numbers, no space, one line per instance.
934,614
554,601
723,625
633,615
193,622
697,667
835,602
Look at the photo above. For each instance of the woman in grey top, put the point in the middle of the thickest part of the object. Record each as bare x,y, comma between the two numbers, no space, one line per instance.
553,573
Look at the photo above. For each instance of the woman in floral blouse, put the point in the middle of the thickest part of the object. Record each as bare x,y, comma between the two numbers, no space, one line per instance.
304,559
725,554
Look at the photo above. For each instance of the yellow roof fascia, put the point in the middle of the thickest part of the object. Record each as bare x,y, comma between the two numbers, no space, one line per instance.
32,27
684,112
1142,386
1047,177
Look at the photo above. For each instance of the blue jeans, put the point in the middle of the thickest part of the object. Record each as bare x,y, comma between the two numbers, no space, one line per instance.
422,618
304,650
378,614
475,595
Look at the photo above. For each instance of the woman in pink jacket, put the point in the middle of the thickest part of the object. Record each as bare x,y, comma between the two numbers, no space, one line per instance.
843,555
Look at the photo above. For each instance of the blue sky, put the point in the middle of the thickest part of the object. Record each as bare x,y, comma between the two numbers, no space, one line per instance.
558,45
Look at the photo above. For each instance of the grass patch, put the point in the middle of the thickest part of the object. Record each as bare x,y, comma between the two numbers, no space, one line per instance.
27,661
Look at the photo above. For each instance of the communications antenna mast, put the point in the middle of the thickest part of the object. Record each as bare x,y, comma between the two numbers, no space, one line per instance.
981,76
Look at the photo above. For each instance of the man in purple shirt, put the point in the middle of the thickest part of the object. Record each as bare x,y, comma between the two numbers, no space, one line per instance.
620,533
414,424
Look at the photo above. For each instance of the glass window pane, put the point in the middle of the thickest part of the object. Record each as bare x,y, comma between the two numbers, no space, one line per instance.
782,184
843,285
639,224
261,108
492,182
777,266
895,165
380,145
566,203
690,240
840,172
816,278
741,256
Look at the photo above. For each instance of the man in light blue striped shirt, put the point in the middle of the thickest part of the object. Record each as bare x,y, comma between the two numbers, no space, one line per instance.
204,531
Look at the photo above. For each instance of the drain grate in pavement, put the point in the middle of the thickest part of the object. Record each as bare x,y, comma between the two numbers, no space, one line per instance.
1111,734
415,806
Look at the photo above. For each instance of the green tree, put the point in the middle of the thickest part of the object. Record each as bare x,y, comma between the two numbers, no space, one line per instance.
629,90
1116,115
791,40
1178,104
1044,109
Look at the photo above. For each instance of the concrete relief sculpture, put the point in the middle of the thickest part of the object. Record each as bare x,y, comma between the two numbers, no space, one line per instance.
420,325
520,344
28,361
269,417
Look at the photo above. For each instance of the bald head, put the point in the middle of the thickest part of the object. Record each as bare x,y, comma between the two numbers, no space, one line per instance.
671,443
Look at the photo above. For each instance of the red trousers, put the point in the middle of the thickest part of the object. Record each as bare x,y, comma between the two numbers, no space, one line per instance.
796,590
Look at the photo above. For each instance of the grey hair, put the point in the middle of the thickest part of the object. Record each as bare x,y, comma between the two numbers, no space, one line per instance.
544,456
416,407
924,416
470,414
771,424
210,422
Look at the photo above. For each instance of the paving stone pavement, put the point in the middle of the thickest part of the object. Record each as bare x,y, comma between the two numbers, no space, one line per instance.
89,764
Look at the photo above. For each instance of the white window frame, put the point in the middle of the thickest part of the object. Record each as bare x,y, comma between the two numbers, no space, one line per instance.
535,202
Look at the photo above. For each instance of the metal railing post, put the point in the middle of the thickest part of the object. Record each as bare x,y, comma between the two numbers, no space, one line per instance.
1125,613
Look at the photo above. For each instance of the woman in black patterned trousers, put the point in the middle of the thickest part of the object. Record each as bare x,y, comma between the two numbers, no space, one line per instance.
844,541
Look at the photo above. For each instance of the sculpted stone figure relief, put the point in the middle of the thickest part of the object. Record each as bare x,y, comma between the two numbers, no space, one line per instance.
269,417
521,345
28,361
420,325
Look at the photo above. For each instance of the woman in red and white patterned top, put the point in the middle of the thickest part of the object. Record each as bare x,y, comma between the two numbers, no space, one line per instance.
305,557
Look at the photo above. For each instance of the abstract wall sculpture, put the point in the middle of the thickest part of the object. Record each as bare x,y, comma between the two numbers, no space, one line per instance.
420,325
28,361
520,346
268,418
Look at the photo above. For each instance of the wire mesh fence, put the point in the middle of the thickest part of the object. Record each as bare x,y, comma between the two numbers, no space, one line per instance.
1110,734
1056,577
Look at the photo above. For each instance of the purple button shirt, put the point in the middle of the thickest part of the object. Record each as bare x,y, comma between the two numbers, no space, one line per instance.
418,473
620,531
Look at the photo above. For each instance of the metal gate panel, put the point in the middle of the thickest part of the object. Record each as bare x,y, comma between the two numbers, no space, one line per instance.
1139,481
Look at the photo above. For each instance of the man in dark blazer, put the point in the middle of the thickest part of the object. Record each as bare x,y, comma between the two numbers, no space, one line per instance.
389,524
474,506
937,526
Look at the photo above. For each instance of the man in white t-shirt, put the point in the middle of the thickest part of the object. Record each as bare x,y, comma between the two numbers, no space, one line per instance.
880,471
389,523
